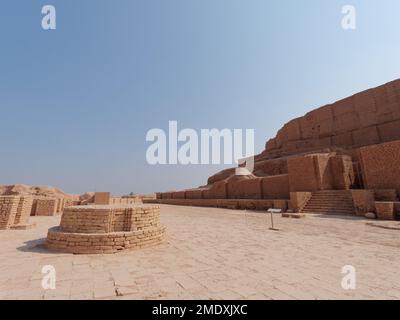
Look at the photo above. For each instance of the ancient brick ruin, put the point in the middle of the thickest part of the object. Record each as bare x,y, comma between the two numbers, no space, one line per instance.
106,229
18,202
15,212
341,158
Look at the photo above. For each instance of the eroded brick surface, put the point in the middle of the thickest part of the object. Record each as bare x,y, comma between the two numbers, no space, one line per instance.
106,228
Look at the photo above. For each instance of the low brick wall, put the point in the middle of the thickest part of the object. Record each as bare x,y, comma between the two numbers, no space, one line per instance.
385,210
15,212
106,229
23,211
250,204
363,201
81,243
46,207
8,211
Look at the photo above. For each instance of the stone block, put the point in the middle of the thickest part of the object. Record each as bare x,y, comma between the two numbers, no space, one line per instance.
102,198
275,187
385,210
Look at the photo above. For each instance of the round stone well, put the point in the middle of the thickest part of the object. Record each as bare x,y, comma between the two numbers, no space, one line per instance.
95,229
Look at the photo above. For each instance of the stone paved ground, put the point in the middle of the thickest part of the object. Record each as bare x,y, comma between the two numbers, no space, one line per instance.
214,254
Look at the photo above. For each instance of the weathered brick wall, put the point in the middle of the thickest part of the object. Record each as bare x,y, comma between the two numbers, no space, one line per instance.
217,191
120,200
103,243
244,188
178,195
298,200
46,207
380,166
251,204
102,198
271,167
106,229
192,194
84,219
311,173
343,176
8,211
324,173
15,211
363,201
276,187
302,174
385,210
369,117
166,195
24,210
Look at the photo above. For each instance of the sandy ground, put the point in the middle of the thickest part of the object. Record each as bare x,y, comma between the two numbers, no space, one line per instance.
215,254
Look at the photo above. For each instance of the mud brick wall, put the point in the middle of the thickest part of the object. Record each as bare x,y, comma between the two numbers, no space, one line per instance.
71,203
166,195
271,167
363,201
123,201
178,195
343,176
106,229
276,187
251,204
193,194
302,174
59,205
217,191
103,243
298,200
102,197
23,210
244,188
310,173
132,219
61,202
369,117
106,219
324,173
84,219
380,166
385,210
34,203
385,194
46,207
8,211
281,204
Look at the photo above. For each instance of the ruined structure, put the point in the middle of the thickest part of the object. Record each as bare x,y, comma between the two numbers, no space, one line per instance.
342,158
49,201
43,200
106,228
15,212
105,198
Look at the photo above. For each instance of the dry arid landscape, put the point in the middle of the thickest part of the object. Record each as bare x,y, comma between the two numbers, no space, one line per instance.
316,219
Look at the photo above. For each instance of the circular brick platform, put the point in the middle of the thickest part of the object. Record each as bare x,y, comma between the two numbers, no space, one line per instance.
106,229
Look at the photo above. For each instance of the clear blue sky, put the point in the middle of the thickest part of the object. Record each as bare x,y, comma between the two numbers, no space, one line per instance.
76,102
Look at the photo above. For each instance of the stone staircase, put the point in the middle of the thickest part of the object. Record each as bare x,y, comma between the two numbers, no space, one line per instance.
330,202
